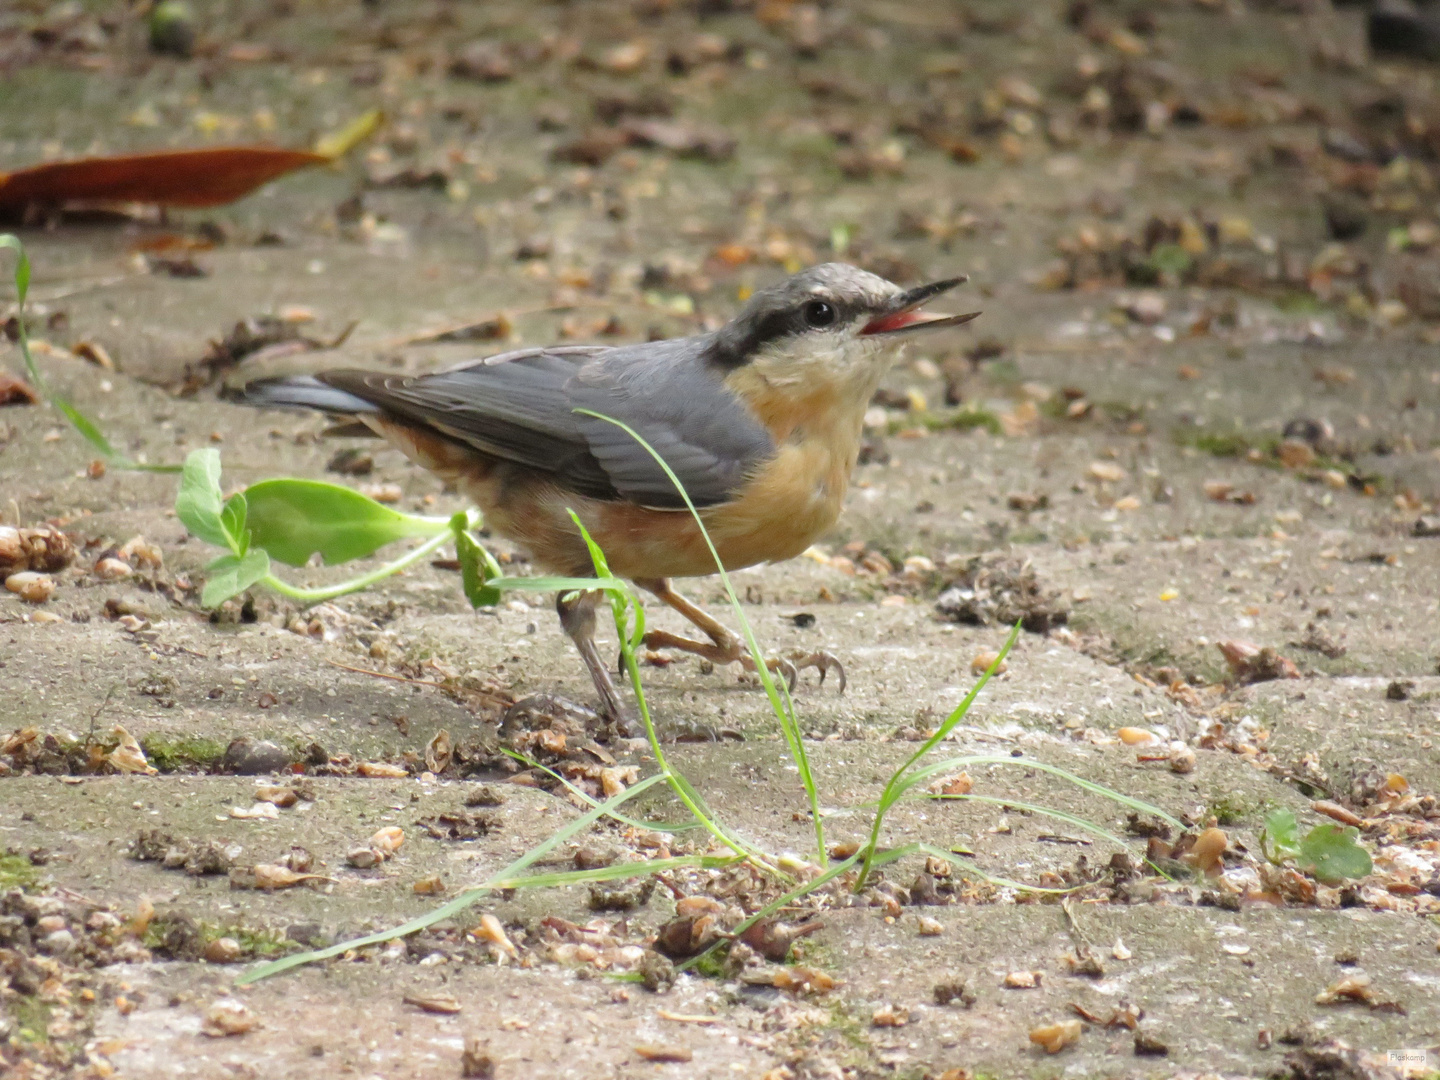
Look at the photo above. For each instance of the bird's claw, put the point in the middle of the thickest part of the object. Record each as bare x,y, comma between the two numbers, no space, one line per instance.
782,666
823,662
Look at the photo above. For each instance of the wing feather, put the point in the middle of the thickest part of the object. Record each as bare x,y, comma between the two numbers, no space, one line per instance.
521,407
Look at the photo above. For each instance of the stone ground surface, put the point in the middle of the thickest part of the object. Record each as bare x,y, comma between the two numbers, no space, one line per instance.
853,124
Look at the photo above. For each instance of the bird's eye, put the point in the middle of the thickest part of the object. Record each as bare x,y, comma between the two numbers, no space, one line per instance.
818,313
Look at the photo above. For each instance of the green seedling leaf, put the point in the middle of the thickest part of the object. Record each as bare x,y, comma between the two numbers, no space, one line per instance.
230,575
1281,838
198,506
1332,854
232,517
473,571
293,519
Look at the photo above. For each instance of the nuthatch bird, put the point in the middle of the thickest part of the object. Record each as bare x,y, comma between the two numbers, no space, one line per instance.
760,420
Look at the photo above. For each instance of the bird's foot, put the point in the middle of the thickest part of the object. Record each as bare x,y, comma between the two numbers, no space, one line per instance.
778,665
823,662
733,651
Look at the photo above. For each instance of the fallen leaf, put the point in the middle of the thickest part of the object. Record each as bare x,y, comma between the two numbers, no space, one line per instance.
890,1016
388,840
772,938
953,785
1334,810
495,328
95,353
128,757
381,770
433,1003
655,1052
282,797
1351,988
211,176
269,876
260,811
15,391
1209,847
188,178
490,930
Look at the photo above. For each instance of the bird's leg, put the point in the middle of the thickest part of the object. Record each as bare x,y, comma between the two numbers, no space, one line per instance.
577,616
724,647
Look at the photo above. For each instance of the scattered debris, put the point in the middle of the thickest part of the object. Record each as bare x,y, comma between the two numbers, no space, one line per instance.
228,1016
1253,663
1000,589
380,847
42,549
16,391
1057,1036
440,1002
657,1053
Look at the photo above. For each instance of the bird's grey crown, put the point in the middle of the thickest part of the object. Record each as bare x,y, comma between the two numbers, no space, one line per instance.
775,312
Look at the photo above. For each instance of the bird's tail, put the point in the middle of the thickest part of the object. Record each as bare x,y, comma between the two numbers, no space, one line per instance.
305,392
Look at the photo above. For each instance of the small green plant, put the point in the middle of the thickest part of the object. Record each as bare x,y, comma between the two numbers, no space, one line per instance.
1328,851
17,872
292,520
1222,444
1169,261
184,752
963,418
82,423
1232,808
908,782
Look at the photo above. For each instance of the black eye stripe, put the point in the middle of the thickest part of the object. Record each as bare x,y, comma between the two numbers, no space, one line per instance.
739,342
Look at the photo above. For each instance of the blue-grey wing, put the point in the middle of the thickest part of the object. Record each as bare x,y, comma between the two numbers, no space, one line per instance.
522,407
682,409
517,410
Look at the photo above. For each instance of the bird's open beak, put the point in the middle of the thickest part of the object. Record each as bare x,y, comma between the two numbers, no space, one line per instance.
902,313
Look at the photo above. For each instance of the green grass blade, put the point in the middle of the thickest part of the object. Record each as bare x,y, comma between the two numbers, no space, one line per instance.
82,423
1080,823
529,762
624,607
893,787
964,863
461,902
616,872
1128,801
784,709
